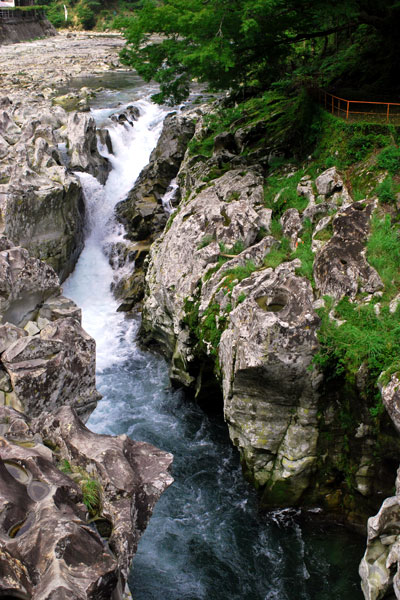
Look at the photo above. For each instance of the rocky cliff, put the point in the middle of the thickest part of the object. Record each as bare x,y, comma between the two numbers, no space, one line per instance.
68,497
263,294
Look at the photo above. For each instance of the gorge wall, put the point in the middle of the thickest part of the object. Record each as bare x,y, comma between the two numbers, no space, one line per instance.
241,294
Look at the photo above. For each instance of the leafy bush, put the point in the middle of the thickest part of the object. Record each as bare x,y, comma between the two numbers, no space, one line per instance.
389,159
386,191
359,146
383,253
86,16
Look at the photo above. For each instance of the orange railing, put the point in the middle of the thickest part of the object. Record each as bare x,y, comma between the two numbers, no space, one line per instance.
387,111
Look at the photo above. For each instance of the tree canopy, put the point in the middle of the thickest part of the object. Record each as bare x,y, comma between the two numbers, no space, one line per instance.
232,43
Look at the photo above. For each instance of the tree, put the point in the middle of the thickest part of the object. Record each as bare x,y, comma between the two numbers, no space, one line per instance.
229,43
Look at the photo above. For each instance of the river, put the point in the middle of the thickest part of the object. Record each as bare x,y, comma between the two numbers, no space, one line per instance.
206,539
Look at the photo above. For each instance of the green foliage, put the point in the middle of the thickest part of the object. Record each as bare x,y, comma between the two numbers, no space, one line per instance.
65,466
368,337
233,276
91,490
365,338
211,327
237,248
304,252
278,255
247,44
359,146
386,190
86,14
389,159
241,298
383,253
280,193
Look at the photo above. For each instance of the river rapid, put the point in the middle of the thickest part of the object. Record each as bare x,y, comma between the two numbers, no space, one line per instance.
206,539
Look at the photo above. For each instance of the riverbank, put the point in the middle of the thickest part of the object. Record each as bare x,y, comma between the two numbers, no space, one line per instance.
39,67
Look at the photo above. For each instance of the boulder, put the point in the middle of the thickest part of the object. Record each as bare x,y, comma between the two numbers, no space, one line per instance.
56,543
45,214
329,182
54,368
84,156
25,283
340,267
291,226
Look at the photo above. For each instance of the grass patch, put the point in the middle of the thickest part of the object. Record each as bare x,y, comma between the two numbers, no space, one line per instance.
278,255
91,490
389,159
386,190
233,276
383,253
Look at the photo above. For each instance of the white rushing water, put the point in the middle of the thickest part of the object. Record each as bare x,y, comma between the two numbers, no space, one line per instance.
89,285
206,539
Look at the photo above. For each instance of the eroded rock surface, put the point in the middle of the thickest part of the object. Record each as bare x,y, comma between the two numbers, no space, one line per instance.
230,323
52,545
47,359
340,268
142,211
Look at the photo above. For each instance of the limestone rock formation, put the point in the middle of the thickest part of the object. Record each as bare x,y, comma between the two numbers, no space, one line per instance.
56,540
340,268
42,207
230,323
47,359
41,202
82,138
142,211
266,324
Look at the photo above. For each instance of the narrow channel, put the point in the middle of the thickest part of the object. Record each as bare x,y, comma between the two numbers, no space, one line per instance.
206,539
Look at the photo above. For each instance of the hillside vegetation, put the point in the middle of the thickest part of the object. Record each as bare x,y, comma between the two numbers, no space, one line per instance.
88,14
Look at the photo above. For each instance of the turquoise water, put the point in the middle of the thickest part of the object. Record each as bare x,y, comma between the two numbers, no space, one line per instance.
206,539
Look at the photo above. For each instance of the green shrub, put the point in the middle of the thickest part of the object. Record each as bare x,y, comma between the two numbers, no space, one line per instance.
383,253
386,190
232,276
389,159
359,146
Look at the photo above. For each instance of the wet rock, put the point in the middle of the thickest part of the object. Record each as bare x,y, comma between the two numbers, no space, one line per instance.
142,211
84,155
47,217
105,139
25,283
270,400
380,566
